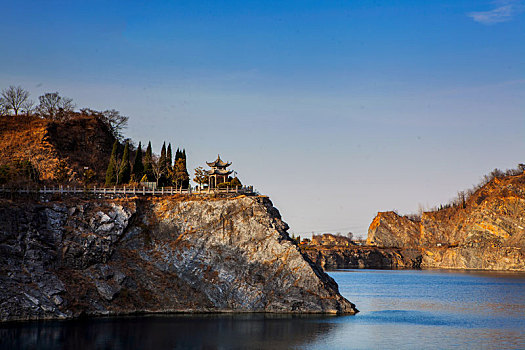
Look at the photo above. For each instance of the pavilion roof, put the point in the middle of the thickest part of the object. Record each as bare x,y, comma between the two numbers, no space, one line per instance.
218,163
219,172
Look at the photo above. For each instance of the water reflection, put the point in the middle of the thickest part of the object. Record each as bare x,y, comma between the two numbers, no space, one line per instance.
169,332
399,309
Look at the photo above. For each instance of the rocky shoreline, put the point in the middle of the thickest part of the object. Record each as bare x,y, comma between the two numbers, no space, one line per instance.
74,258
449,258
358,257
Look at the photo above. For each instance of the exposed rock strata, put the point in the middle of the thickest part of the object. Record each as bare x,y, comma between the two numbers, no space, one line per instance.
98,257
488,232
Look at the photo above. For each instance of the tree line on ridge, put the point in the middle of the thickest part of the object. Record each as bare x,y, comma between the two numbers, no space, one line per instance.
164,170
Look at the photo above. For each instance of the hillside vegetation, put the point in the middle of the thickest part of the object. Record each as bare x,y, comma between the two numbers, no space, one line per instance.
73,150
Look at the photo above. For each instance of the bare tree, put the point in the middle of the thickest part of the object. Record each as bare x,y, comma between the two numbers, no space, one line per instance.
157,168
28,107
54,106
3,108
115,121
118,164
201,177
14,97
461,199
48,106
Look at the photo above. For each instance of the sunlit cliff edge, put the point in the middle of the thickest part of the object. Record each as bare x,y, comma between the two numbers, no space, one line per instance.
486,232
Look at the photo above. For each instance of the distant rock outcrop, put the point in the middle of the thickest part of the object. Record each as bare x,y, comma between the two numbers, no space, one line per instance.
176,254
487,232
393,231
328,239
360,257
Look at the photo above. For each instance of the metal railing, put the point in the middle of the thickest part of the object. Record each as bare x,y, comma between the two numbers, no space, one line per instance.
125,190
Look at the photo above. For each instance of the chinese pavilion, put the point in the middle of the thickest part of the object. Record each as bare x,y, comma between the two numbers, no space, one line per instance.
218,172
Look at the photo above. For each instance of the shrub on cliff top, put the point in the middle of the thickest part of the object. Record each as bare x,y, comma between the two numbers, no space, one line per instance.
236,182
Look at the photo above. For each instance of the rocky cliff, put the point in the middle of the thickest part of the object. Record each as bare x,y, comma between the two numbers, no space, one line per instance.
485,232
78,257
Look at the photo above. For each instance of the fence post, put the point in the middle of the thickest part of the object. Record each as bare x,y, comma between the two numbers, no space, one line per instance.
153,191
162,190
124,191
143,190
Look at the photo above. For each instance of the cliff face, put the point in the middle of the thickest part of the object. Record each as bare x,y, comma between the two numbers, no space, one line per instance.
488,232
391,230
97,257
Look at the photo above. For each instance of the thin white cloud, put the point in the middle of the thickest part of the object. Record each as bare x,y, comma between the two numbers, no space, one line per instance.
505,11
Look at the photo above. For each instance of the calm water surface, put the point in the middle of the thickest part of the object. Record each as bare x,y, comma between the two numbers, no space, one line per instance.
399,310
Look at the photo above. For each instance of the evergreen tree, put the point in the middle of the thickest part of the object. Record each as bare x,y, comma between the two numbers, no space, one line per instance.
125,168
138,166
163,164
162,159
114,150
111,176
186,182
182,177
148,158
111,172
169,156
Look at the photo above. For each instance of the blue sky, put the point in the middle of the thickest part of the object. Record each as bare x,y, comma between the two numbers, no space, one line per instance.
335,109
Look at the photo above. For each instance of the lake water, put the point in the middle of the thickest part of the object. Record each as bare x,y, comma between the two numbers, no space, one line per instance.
400,309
